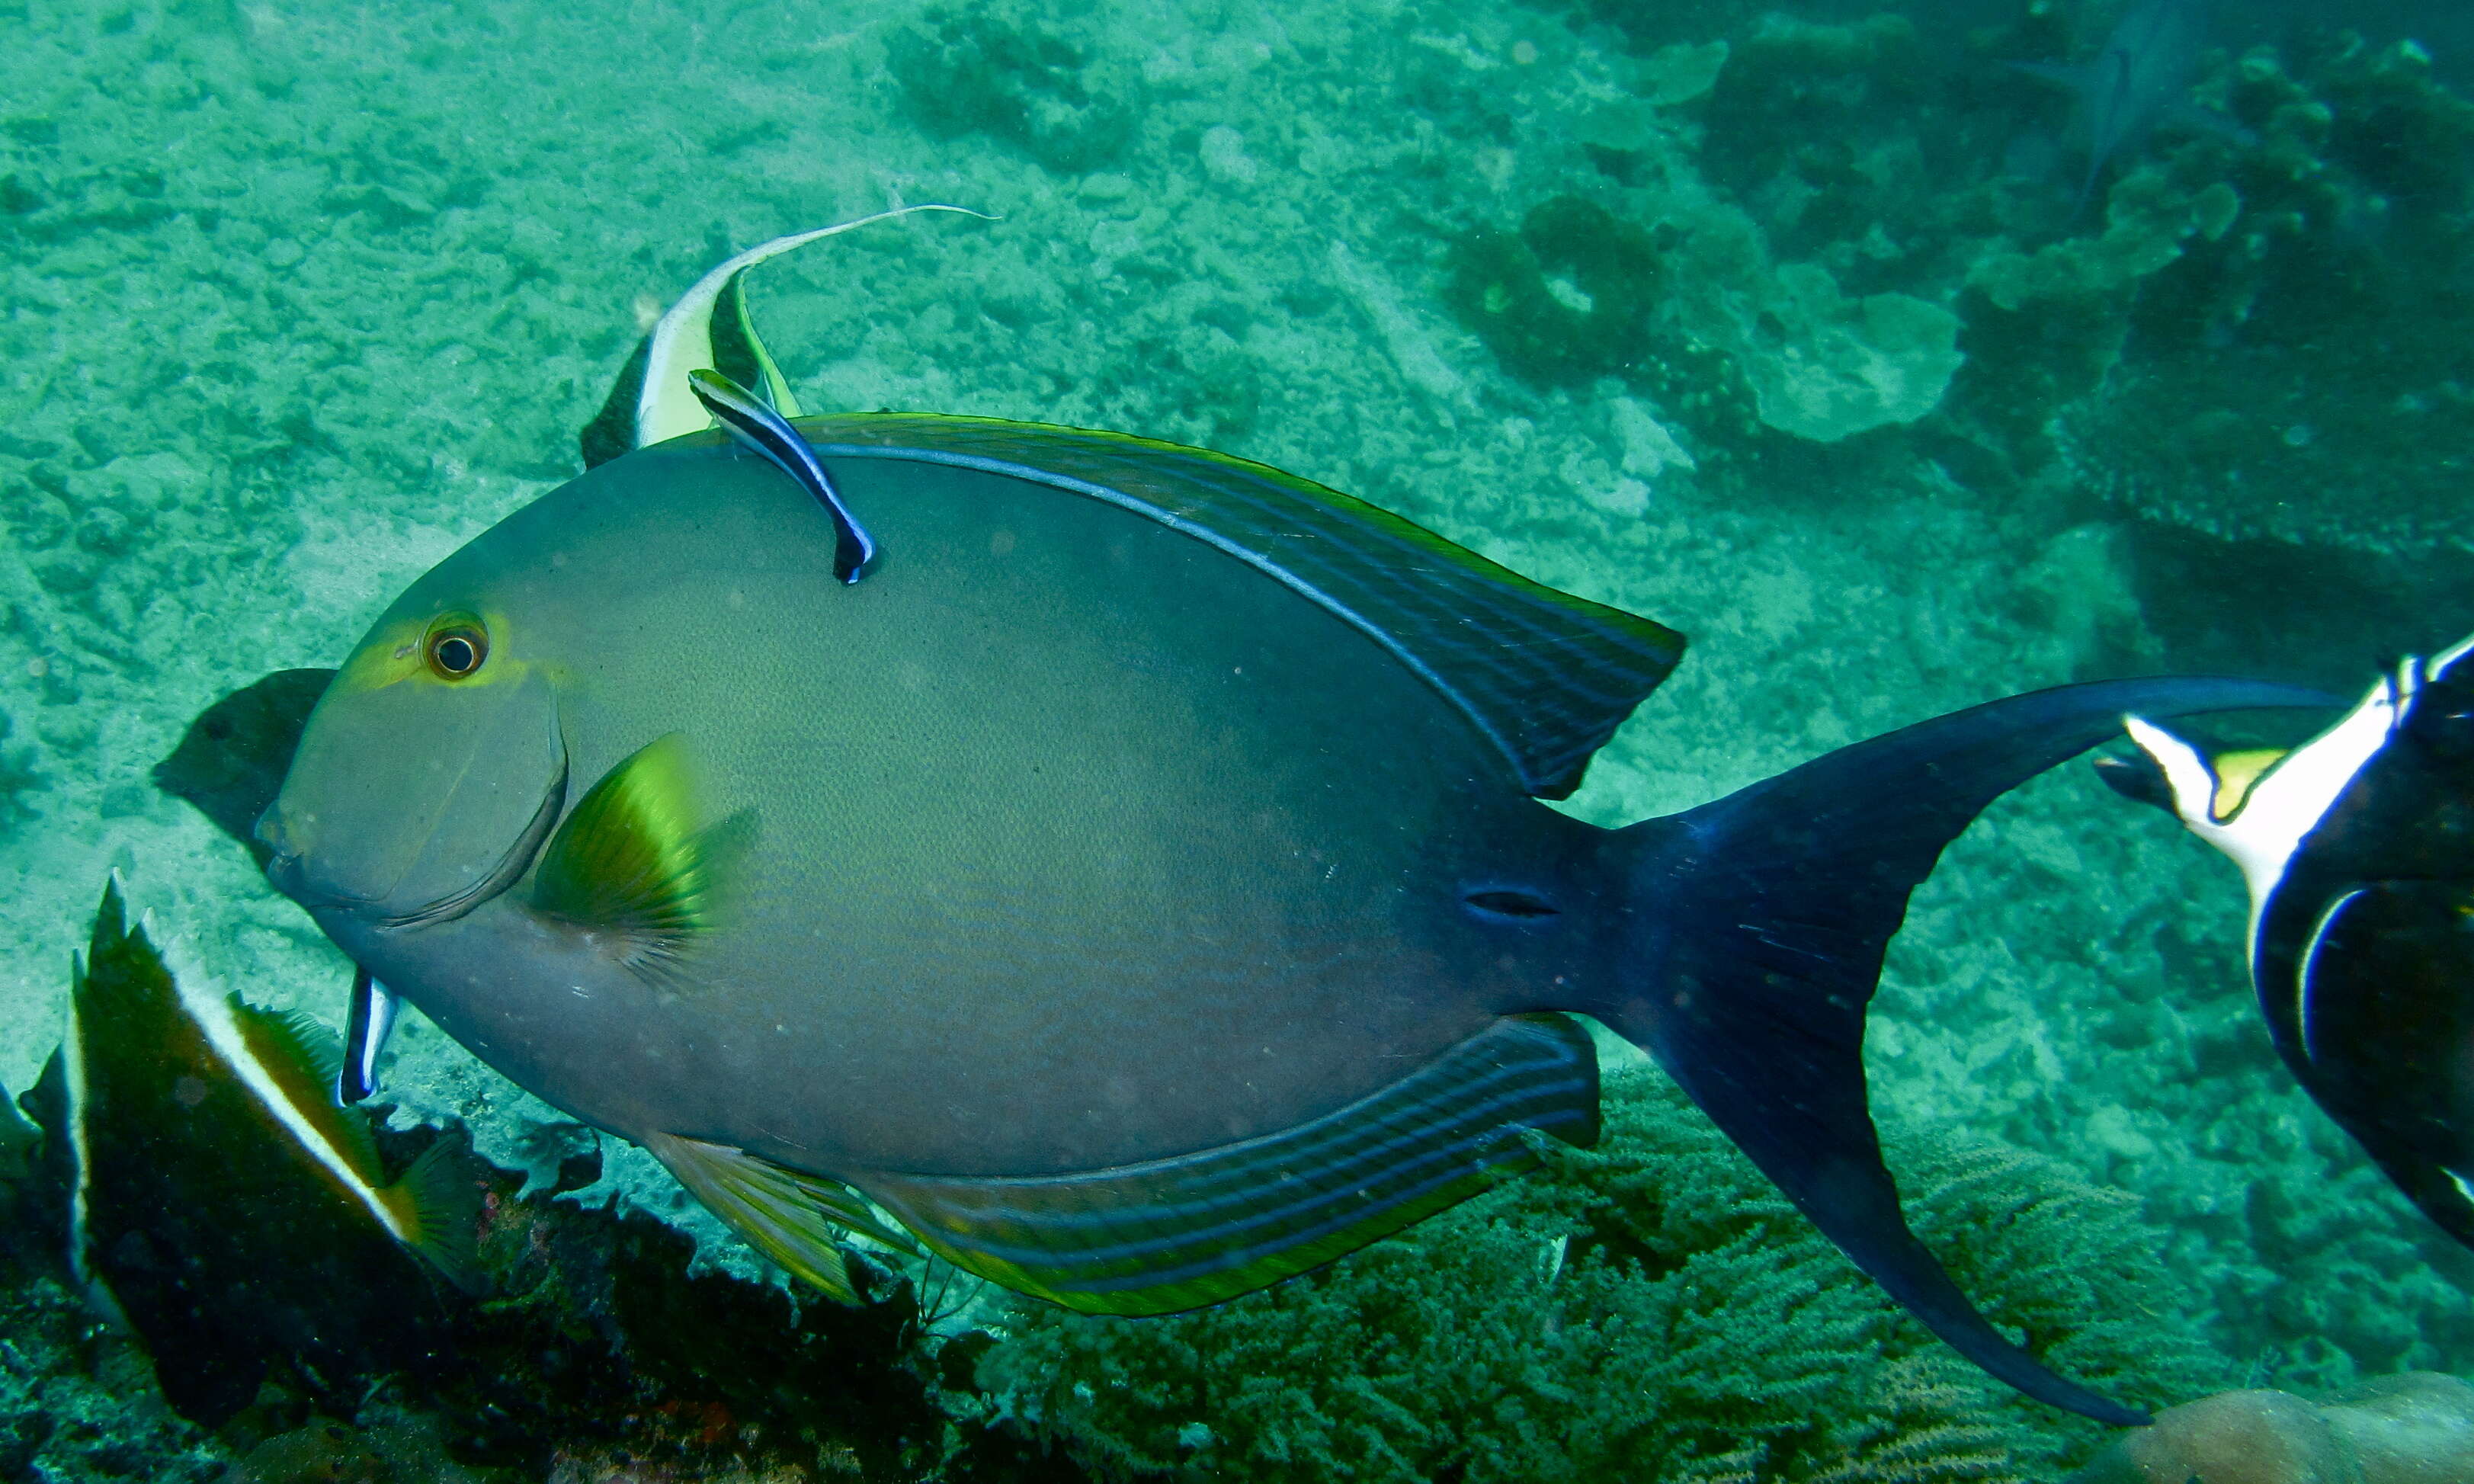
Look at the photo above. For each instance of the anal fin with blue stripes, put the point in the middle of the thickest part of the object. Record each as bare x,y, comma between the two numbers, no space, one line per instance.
1182,1232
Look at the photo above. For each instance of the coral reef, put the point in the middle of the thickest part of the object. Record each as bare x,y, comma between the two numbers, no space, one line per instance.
594,1352
302,297
1570,297
1647,1309
2312,346
78,1402
2252,313
1577,294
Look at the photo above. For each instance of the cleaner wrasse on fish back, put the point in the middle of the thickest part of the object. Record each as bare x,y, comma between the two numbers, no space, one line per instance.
1118,866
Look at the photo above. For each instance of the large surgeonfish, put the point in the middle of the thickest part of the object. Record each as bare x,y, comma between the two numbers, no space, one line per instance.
2357,848
1135,885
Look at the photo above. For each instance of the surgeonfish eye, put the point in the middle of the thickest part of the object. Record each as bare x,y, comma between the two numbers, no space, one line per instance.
456,646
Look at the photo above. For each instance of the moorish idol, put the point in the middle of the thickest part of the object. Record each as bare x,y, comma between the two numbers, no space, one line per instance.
221,1203
2357,848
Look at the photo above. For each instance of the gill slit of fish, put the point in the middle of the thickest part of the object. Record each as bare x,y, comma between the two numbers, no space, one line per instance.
511,867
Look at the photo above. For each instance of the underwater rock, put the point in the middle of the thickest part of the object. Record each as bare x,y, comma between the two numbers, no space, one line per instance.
2416,1429
325,1451
1825,367
2243,1437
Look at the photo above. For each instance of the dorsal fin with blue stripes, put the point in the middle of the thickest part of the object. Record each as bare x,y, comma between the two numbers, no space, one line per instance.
1544,675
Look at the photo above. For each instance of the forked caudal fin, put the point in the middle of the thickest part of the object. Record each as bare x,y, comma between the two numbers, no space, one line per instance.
1763,920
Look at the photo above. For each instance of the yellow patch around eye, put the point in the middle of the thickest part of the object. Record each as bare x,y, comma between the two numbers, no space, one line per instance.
385,658
461,648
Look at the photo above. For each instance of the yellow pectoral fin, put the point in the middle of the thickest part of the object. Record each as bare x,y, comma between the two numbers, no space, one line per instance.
631,862
792,1217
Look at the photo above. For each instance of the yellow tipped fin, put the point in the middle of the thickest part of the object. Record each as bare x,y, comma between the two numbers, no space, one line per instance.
2236,774
790,1216
225,1081
630,861
439,1203
298,1060
432,1209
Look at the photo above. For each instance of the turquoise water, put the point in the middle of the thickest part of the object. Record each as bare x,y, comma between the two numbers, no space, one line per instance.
1788,329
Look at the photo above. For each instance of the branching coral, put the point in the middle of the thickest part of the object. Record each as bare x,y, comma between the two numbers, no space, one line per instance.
1648,1309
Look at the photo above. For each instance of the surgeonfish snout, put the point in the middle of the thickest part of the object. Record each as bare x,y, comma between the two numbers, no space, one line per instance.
2358,849
411,803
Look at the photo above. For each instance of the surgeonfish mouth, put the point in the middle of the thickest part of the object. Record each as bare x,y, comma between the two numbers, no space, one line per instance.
511,866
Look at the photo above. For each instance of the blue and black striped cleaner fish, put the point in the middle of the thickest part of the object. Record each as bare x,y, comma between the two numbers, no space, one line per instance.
1117,867
2357,848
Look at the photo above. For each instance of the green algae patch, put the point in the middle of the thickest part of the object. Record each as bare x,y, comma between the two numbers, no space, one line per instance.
1568,298
969,72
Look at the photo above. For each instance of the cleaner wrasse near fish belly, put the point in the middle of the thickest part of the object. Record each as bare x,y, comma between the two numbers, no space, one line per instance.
2357,848
1118,866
